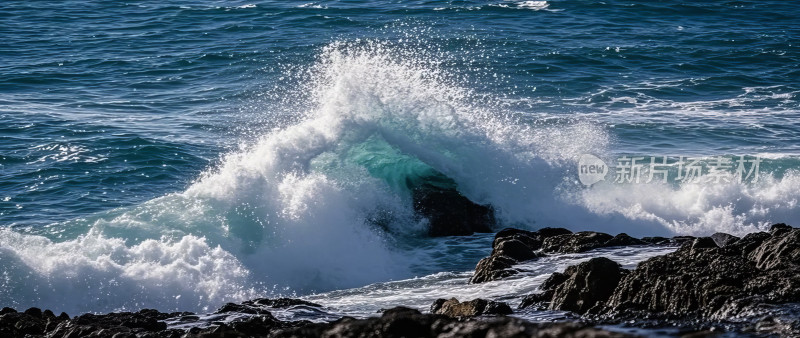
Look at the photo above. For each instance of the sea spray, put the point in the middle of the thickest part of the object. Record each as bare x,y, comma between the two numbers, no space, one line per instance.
299,209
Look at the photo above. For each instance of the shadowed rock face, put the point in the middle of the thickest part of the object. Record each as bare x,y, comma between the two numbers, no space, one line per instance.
587,285
712,282
36,323
449,213
477,307
745,278
512,246
404,322
396,322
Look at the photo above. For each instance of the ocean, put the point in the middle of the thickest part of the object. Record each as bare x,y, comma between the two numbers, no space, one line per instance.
181,155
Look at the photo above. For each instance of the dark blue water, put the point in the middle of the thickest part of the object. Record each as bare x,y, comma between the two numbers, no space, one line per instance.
193,139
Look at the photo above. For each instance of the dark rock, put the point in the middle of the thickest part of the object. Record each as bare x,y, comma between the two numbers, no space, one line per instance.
624,240
577,242
703,243
404,322
746,244
656,240
540,301
32,322
242,308
144,323
679,240
722,239
779,228
493,268
34,312
449,213
586,285
281,302
700,280
512,246
556,279
515,250
477,307
782,250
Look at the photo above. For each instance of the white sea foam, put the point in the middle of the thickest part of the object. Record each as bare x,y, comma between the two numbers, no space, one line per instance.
296,212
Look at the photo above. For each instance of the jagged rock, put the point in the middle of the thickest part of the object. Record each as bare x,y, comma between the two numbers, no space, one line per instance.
624,240
242,308
722,239
144,323
281,302
449,213
782,249
493,268
656,240
704,281
516,250
779,228
577,242
755,279
680,240
32,321
477,307
581,287
746,244
512,246
404,322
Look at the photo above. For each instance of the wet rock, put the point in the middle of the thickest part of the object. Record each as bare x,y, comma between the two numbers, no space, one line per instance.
624,240
537,301
755,279
31,322
449,213
144,323
722,239
656,240
577,242
582,287
404,322
781,250
680,240
477,307
281,302
512,246
778,228
242,308
701,280
492,268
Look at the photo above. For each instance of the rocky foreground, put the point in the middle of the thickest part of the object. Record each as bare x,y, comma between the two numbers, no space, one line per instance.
395,322
751,284
747,285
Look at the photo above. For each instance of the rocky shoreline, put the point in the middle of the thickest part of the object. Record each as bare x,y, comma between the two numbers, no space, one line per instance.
748,285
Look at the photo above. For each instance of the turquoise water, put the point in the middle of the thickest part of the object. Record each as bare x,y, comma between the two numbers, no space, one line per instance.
179,156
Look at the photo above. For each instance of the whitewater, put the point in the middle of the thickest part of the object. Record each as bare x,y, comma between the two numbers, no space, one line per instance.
320,208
